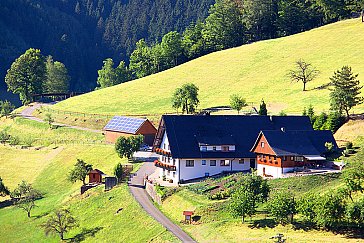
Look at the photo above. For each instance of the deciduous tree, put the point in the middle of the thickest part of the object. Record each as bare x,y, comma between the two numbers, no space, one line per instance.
282,205
118,172
6,108
237,102
79,171
304,72
25,196
60,222
186,98
27,75
126,146
347,89
172,46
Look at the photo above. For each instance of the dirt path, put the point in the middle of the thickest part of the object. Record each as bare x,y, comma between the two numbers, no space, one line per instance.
28,114
136,186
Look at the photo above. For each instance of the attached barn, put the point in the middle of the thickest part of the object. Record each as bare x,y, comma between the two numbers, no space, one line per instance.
129,126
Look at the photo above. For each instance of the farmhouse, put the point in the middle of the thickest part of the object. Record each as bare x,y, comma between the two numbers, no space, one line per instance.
281,151
191,147
129,126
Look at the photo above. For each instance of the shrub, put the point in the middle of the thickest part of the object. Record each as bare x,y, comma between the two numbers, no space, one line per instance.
14,140
28,141
348,145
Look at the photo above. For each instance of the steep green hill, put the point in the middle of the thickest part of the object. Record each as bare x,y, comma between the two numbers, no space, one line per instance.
256,71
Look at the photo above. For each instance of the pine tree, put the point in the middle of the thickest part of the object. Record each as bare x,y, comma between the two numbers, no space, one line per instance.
347,89
263,109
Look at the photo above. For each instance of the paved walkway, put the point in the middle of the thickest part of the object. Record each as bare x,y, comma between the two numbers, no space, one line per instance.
28,114
136,186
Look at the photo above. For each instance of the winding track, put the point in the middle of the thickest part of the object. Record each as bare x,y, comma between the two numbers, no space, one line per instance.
136,185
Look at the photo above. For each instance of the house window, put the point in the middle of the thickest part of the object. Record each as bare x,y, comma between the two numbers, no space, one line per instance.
292,158
284,158
204,148
299,159
241,161
174,161
262,144
203,162
225,148
174,174
164,146
190,163
224,162
168,172
212,162
169,148
214,148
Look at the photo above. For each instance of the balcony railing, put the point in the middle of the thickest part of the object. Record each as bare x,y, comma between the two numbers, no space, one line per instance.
159,164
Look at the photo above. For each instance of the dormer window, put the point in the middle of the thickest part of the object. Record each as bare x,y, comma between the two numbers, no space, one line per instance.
225,148
203,148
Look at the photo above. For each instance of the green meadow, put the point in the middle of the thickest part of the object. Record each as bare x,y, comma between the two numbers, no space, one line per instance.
256,71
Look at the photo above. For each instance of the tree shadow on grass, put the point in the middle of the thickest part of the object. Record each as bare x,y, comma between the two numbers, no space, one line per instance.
6,203
85,233
350,233
263,223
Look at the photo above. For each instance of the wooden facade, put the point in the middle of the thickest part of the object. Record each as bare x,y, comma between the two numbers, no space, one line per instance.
95,176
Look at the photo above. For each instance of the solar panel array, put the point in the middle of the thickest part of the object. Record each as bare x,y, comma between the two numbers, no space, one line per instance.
124,124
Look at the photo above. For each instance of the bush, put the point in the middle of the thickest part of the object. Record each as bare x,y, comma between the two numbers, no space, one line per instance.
348,145
14,140
28,141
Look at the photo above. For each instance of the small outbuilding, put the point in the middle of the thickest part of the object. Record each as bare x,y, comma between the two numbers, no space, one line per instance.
95,176
129,126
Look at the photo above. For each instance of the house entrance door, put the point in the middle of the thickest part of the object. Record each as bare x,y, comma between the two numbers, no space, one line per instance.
252,163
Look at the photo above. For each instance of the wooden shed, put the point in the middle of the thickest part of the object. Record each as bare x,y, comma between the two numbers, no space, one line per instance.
129,126
95,176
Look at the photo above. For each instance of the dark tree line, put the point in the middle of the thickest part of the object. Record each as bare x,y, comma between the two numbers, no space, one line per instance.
82,33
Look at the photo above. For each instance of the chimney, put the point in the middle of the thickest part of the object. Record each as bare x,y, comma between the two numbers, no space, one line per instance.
283,129
271,118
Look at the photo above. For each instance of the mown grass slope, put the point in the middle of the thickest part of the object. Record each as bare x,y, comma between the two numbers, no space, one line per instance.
256,71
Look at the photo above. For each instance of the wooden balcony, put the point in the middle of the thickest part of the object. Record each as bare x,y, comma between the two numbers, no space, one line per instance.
169,167
162,152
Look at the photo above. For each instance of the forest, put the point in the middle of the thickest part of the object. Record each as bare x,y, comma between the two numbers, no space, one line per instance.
81,34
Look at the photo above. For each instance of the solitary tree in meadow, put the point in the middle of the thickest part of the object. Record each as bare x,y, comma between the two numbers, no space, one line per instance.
25,196
303,72
60,222
237,102
347,89
6,108
186,98
263,109
79,171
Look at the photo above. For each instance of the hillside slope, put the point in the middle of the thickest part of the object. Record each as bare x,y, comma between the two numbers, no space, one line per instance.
256,71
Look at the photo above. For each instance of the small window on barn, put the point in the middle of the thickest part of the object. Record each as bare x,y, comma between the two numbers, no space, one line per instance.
262,144
190,163
212,162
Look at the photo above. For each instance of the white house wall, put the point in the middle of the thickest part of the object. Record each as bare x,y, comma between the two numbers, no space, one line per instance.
276,172
199,170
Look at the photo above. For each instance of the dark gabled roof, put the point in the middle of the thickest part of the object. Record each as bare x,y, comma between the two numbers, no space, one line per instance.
124,124
309,143
215,140
185,132
96,171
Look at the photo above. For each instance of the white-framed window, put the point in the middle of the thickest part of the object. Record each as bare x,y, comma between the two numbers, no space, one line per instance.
203,162
169,148
299,158
241,161
212,162
284,158
224,162
174,174
203,148
164,146
174,161
262,144
190,163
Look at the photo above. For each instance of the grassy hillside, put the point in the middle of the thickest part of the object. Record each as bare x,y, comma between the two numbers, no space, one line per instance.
256,71
47,168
